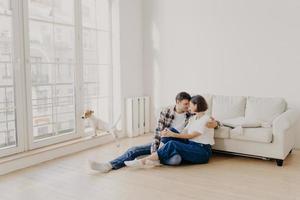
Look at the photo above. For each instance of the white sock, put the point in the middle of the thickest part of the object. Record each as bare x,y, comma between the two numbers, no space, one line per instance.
101,167
152,163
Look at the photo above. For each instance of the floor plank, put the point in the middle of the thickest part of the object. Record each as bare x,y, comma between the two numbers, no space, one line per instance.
225,177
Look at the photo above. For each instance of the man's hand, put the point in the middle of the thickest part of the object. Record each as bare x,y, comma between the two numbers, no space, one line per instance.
212,123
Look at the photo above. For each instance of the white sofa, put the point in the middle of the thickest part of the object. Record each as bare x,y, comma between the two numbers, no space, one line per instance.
260,127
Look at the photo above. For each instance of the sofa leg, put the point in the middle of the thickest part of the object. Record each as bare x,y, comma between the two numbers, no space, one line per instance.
279,162
291,151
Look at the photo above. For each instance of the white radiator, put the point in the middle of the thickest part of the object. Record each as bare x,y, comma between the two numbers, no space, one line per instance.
137,116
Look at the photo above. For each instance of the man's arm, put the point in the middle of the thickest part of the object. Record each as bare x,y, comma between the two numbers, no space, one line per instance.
160,127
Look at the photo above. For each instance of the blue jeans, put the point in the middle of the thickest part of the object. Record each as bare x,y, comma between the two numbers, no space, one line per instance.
191,152
167,139
138,151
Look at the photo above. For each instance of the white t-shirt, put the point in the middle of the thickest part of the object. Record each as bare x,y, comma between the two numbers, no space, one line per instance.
198,124
179,121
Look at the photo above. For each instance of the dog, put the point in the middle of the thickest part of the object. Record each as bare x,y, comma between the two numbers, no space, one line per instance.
100,125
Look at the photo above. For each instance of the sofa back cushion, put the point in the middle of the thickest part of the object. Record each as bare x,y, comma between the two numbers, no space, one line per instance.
264,109
227,107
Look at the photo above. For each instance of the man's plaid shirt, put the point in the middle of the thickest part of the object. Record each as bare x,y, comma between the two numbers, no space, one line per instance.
166,117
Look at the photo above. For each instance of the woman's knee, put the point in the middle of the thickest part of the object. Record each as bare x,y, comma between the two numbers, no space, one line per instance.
174,160
171,143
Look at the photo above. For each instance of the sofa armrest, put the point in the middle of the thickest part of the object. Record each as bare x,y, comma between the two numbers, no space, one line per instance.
285,121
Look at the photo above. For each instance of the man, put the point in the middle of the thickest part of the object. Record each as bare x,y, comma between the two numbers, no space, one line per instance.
176,116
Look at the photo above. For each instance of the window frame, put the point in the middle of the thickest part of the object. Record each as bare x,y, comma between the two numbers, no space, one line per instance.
110,96
18,80
32,143
23,83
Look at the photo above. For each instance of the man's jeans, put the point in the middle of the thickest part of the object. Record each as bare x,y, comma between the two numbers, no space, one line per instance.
138,151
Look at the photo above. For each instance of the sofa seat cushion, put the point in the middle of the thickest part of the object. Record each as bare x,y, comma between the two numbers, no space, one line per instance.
264,135
240,121
227,107
222,132
264,110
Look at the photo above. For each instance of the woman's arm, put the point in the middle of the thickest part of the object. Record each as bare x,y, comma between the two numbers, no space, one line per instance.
181,135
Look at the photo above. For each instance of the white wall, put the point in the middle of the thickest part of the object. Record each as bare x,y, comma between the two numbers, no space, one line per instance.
232,47
127,52
131,47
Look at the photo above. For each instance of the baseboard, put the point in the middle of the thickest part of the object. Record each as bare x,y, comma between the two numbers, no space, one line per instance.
34,157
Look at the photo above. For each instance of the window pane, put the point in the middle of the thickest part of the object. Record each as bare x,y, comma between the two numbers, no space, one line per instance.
90,47
5,7
64,44
64,11
42,73
97,79
89,13
41,42
96,52
103,47
6,77
42,110
65,114
53,110
7,117
103,18
7,99
59,11
64,73
5,38
41,9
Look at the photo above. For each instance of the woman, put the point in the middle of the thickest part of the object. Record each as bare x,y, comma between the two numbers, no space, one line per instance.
198,148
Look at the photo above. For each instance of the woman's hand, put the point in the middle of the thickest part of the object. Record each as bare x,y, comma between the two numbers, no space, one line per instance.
166,133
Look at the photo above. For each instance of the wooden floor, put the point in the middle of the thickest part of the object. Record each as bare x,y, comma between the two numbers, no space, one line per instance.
225,177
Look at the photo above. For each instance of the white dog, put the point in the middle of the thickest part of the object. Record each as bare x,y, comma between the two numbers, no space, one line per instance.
100,125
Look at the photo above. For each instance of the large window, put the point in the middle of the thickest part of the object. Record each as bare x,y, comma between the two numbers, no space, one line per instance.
96,58
63,46
52,61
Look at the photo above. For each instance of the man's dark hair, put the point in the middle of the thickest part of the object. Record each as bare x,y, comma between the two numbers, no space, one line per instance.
200,102
183,96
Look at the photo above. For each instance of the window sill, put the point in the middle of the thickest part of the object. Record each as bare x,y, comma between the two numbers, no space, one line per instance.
26,159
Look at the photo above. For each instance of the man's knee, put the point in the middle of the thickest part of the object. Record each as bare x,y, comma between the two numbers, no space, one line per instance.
132,150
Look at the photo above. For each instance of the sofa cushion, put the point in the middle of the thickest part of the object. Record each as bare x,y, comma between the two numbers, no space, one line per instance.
222,132
240,121
226,107
264,110
264,135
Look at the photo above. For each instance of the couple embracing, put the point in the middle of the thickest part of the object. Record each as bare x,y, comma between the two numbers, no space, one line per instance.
184,134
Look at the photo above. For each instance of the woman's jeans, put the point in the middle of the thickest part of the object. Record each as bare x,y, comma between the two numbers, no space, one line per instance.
190,152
